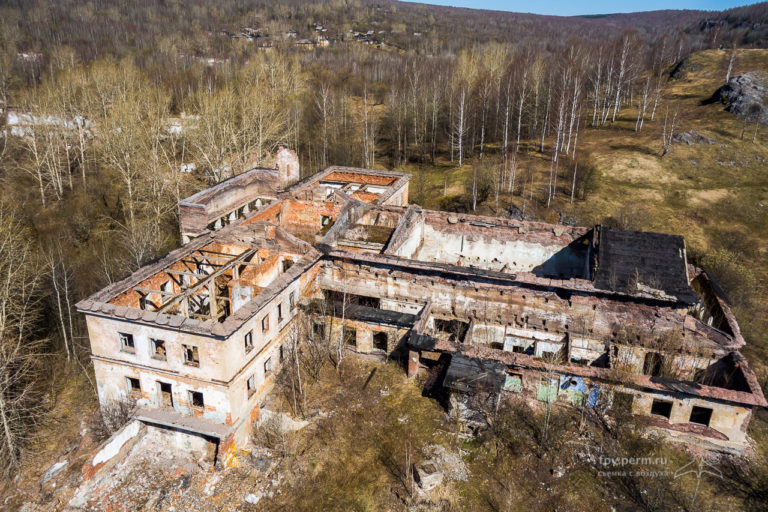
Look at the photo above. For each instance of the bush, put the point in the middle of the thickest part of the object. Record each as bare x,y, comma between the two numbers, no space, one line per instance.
587,178
111,417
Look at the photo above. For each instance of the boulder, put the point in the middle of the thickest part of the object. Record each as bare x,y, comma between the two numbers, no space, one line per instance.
54,470
745,95
691,137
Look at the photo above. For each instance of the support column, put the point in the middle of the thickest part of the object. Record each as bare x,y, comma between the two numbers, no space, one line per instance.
212,298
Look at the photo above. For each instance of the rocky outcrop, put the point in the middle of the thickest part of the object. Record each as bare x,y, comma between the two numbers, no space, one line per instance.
745,95
691,137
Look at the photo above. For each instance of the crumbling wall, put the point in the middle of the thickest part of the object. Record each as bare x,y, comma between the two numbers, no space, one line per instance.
471,248
287,163
727,420
363,334
503,303
199,210
111,451
217,360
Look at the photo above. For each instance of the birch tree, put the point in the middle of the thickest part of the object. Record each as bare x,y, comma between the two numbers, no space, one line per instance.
20,312
668,130
623,67
464,75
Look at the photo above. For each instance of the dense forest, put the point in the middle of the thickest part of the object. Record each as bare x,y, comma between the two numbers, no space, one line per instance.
116,110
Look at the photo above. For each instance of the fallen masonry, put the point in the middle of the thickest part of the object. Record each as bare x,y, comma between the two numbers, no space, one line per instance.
580,316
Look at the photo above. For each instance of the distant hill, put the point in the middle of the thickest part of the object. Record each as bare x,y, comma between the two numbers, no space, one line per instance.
120,27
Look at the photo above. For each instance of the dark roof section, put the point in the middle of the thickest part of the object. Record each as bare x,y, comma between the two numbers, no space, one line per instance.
637,262
379,316
468,373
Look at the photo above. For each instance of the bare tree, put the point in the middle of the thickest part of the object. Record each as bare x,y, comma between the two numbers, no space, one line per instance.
20,309
463,78
643,105
668,131
627,41
730,63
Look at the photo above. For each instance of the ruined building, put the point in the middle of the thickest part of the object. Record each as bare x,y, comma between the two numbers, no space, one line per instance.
582,316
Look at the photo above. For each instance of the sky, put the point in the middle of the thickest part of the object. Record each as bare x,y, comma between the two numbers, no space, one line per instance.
576,7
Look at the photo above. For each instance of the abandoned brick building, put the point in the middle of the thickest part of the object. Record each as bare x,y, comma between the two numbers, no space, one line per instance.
581,316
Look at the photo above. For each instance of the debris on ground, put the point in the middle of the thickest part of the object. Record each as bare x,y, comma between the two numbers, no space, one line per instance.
450,463
428,474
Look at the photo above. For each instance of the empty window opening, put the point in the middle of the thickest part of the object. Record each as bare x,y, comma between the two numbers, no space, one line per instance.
279,313
265,323
622,402
248,341
166,394
158,349
268,366
287,264
318,331
126,343
661,408
196,399
134,386
337,299
700,415
350,336
549,355
251,385
653,364
325,220
191,355
380,340
455,329
292,300
282,353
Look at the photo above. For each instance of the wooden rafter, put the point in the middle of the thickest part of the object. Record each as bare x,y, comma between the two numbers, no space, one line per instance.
197,287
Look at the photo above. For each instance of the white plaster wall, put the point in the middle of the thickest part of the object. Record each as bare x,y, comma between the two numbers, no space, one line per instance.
216,357
484,334
412,308
488,253
260,338
112,385
112,448
238,397
727,419
414,240
544,346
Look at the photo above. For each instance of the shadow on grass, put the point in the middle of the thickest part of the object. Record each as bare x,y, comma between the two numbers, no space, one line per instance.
638,148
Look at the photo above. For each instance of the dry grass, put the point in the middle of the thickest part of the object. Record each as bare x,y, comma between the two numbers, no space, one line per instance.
368,419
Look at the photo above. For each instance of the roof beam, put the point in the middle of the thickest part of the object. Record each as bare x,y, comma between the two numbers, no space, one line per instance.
239,259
